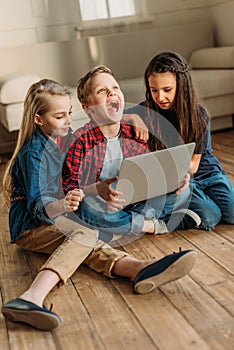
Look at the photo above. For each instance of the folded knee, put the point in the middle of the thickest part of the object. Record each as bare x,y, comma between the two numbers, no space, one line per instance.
208,222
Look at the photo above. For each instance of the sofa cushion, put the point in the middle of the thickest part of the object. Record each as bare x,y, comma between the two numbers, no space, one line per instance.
11,115
213,57
13,87
214,82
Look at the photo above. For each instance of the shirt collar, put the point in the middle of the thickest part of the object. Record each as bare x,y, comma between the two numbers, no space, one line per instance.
125,130
46,142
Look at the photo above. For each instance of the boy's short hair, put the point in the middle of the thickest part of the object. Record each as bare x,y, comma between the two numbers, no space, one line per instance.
83,88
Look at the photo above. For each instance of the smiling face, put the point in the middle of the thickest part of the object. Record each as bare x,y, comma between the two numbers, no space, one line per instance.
105,103
163,89
57,120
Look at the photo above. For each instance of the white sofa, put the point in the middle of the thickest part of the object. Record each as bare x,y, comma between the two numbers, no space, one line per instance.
127,54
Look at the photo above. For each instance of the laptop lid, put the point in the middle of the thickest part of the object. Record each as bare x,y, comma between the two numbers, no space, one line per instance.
154,174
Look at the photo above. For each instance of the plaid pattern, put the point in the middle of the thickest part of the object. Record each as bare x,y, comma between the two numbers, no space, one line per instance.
85,158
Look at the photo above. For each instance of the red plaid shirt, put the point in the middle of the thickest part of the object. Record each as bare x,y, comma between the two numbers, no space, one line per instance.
84,161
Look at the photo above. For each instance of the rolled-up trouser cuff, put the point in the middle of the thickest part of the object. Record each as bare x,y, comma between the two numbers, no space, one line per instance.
103,258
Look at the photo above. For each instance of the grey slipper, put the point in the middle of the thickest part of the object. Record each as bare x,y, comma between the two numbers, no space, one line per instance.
163,271
20,310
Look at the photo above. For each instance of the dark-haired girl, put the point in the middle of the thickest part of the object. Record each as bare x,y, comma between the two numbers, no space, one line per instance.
173,114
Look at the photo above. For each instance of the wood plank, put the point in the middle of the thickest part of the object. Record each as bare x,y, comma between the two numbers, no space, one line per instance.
113,318
4,344
77,328
216,280
223,137
155,312
161,320
23,337
4,340
15,278
208,317
226,149
215,246
225,158
226,231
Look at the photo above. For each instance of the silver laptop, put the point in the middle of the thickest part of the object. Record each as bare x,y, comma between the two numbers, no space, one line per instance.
154,174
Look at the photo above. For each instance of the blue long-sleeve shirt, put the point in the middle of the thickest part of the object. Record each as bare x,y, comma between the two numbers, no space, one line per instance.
36,178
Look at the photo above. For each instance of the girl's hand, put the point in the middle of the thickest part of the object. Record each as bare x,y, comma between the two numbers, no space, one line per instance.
73,199
111,196
185,185
195,162
116,203
140,129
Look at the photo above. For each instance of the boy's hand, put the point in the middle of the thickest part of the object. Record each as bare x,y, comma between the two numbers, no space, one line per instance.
185,185
111,196
73,199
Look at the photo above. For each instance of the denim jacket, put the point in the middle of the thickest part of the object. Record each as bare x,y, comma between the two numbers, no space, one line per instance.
36,179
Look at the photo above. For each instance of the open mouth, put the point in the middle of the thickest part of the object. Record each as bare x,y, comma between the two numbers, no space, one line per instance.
114,105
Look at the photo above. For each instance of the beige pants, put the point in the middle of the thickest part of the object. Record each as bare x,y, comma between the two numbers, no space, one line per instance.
70,244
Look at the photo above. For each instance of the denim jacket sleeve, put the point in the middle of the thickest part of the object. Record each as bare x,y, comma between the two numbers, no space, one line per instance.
35,181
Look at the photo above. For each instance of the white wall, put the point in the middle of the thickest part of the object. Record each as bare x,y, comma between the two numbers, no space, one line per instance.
68,60
172,12
25,22
221,14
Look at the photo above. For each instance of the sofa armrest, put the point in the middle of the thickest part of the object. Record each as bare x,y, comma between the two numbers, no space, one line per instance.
13,87
11,116
213,58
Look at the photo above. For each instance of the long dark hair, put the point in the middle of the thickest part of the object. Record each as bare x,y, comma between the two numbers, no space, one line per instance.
186,105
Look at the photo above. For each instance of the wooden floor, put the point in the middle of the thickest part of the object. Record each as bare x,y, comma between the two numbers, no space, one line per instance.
195,312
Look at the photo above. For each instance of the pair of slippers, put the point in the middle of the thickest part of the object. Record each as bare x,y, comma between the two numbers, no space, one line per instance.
163,271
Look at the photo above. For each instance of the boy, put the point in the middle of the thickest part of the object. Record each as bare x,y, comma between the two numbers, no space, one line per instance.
93,162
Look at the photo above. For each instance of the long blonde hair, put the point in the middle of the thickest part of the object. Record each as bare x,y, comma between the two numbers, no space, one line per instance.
37,101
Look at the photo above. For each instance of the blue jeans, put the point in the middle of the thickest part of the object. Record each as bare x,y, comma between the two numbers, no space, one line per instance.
130,220
213,200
